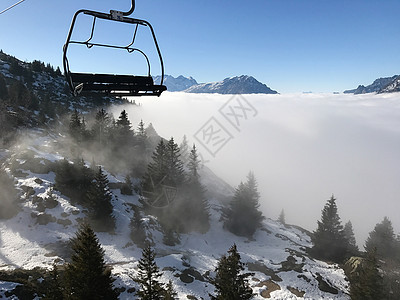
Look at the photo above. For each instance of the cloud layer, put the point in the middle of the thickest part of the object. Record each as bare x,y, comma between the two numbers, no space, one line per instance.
302,148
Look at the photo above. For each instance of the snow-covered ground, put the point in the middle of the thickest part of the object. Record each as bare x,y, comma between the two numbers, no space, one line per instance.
24,243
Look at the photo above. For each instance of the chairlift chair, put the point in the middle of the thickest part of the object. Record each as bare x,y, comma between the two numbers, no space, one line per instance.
114,84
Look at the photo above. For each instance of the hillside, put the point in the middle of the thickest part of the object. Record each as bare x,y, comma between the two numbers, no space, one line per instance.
38,236
39,215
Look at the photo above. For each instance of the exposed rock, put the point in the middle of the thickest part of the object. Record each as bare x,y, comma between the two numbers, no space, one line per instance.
270,287
259,267
44,219
325,286
295,291
65,222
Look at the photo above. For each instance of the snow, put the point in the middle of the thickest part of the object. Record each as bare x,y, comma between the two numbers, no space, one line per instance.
26,244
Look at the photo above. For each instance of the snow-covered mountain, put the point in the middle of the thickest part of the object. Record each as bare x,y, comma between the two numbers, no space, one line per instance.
38,236
378,86
176,84
234,85
393,86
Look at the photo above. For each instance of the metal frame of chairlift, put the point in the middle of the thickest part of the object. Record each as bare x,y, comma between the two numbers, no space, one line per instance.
113,84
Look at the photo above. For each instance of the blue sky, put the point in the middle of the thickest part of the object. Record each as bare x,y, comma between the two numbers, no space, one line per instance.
291,45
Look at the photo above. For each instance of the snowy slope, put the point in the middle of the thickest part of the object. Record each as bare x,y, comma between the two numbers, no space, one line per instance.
276,255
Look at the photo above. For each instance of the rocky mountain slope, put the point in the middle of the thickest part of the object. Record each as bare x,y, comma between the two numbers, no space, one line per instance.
380,85
234,85
177,84
38,236
36,232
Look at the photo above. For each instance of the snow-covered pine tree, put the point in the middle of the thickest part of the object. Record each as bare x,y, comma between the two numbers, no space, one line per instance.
230,282
86,276
148,277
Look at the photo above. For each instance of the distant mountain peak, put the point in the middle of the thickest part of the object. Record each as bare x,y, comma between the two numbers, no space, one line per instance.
380,85
243,84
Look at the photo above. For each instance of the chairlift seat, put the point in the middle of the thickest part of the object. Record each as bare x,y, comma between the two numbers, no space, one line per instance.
120,85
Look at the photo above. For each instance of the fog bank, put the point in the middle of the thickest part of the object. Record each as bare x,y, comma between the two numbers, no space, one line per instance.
302,148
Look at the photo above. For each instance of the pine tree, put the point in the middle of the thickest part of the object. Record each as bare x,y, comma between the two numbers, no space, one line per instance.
230,282
141,130
101,126
383,239
243,216
87,276
75,126
169,292
195,209
126,188
54,290
174,163
3,88
8,196
352,247
281,218
99,199
164,172
329,240
367,283
148,278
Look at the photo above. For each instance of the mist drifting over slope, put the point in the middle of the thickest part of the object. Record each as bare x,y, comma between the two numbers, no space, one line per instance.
302,148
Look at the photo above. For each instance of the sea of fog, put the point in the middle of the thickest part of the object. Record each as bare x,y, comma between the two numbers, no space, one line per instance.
302,149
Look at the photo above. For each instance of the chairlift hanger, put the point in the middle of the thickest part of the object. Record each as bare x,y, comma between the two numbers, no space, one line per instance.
113,84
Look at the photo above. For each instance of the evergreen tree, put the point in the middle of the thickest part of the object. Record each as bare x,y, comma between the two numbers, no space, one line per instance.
174,163
169,292
148,278
165,172
3,88
383,239
141,130
54,290
8,196
75,126
230,282
352,247
87,276
281,218
367,283
138,233
126,188
156,176
101,126
124,125
99,199
329,240
195,209
243,216
184,149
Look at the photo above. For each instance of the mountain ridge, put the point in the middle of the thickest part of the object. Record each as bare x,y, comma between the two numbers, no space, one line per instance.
380,85
243,84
